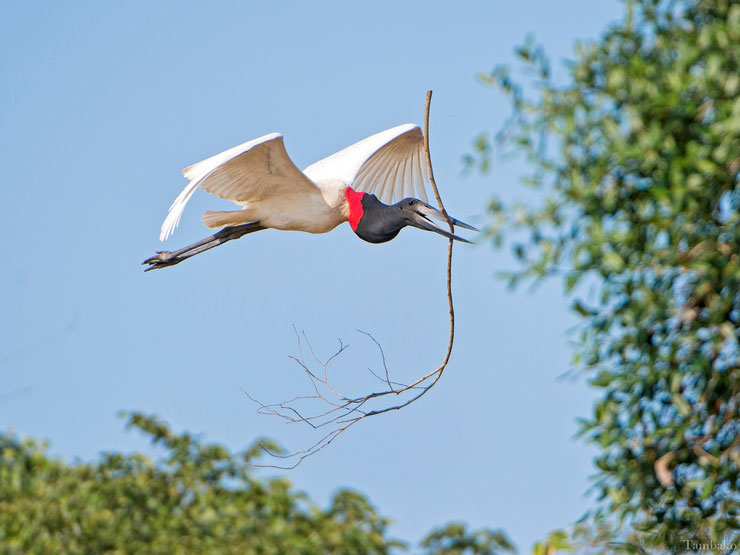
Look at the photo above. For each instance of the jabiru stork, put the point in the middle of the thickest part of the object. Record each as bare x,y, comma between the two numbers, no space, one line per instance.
371,184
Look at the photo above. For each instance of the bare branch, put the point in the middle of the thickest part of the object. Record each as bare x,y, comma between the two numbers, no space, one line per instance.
347,411
382,355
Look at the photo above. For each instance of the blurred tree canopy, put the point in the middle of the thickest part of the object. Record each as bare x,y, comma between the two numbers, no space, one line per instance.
635,174
198,498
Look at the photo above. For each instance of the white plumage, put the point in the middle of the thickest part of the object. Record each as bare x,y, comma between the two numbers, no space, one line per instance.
260,176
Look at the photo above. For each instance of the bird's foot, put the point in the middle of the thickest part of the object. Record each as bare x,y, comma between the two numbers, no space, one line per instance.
166,258
160,260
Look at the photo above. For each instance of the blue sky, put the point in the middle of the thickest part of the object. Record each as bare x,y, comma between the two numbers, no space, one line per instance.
104,103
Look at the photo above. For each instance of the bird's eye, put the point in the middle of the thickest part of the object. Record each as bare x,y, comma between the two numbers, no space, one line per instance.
411,203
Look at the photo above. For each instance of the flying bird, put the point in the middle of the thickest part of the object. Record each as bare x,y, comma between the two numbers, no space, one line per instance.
371,184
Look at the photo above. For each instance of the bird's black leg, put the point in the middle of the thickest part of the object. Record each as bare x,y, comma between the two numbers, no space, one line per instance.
165,258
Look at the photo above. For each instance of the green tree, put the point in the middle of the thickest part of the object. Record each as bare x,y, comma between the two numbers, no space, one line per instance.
635,164
456,538
197,498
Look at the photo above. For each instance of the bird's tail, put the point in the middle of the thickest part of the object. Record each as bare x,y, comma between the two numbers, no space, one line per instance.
214,218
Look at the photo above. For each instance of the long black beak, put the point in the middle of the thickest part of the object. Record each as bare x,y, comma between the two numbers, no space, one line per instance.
420,215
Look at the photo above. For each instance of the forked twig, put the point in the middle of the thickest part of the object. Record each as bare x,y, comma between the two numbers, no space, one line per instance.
346,411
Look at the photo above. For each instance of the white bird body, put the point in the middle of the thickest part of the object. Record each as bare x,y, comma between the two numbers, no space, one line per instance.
317,211
352,185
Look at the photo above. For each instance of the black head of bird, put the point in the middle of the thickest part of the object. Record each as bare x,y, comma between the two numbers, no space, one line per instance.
376,222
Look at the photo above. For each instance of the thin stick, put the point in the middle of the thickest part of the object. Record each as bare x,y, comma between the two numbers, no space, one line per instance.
349,412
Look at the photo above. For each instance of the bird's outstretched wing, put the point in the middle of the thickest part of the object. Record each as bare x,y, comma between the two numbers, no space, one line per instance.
391,164
251,171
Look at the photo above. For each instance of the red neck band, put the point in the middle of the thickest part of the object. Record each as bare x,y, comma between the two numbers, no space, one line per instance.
354,201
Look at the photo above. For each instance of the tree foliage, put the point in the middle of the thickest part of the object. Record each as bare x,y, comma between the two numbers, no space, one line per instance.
636,162
456,538
197,498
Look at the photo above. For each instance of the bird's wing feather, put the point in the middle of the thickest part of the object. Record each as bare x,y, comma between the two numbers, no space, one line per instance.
389,164
252,171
